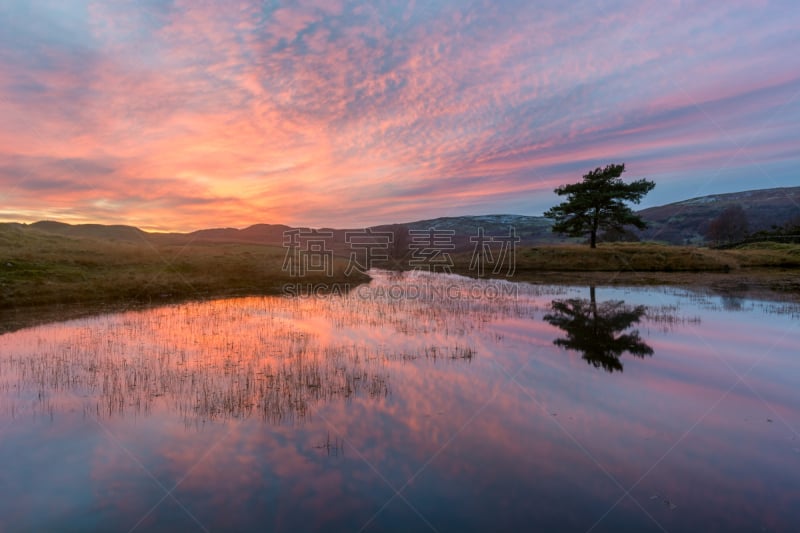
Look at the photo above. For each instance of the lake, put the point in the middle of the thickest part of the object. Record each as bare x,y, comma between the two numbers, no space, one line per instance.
419,402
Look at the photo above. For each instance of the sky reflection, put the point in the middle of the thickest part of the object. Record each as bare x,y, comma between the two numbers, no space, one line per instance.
313,413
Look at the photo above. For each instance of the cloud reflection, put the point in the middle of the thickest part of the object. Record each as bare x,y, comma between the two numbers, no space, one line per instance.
470,447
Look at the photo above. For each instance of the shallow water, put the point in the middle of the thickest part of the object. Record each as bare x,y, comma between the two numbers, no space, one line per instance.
419,402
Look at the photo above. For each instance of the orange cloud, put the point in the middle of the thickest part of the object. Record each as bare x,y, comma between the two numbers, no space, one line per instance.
342,113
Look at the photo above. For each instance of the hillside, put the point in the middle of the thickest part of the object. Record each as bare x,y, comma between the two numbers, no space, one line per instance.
94,231
256,234
46,265
686,222
55,265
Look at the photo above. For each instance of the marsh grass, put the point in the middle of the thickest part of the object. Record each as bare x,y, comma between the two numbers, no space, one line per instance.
763,270
38,268
649,257
193,360
271,358
766,254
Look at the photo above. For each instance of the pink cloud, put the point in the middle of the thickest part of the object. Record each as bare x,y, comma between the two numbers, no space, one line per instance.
270,116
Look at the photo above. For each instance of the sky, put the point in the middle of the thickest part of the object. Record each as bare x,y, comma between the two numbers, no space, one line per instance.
181,115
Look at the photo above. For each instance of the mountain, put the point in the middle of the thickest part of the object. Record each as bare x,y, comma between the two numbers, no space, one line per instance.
684,222
258,234
528,228
459,230
94,231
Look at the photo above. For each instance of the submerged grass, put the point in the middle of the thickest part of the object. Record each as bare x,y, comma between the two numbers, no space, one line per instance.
266,358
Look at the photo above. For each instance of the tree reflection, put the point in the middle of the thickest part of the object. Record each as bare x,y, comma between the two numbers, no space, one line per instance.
596,330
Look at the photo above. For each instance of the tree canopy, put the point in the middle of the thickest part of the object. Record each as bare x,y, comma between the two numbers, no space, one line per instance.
598,203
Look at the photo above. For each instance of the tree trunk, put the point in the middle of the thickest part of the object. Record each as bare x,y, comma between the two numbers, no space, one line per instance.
595,225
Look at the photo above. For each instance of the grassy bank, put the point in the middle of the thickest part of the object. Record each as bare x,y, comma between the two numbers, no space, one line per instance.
47,277
651,257
39,269
751,268
647,257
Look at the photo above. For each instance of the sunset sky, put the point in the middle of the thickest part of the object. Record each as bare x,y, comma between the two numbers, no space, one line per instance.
180,115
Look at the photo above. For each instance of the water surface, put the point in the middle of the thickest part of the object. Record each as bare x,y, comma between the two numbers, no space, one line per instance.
418,402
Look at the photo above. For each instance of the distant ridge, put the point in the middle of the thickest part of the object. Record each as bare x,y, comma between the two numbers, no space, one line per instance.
258,233
95,231
684,222
530,229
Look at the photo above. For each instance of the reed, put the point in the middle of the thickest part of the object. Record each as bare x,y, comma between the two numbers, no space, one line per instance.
270,358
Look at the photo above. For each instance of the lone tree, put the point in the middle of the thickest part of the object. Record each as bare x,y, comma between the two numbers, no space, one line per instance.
597,203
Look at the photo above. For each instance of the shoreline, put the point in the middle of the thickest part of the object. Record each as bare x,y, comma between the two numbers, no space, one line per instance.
44,277
774,285
25,316
763,284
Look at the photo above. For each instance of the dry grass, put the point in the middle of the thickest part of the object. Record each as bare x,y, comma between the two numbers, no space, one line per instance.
763,269
766,254
42,269
649,257
38,268
621,257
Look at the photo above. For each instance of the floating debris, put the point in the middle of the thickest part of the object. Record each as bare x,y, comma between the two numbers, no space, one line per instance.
671,505
666,501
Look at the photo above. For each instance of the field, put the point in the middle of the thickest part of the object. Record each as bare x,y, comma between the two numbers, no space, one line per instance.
42,273
644,257
762,267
